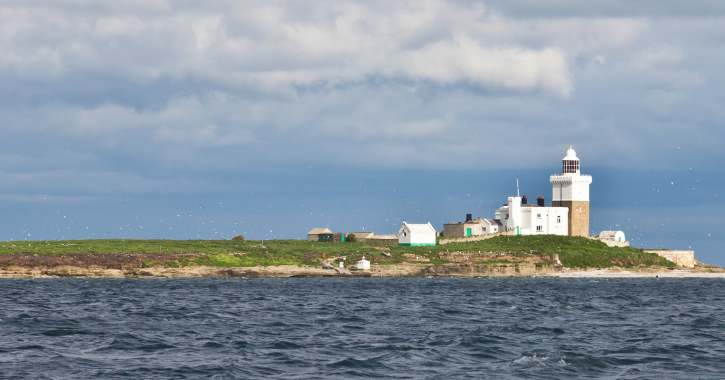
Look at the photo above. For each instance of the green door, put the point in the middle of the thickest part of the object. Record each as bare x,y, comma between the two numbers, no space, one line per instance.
468,232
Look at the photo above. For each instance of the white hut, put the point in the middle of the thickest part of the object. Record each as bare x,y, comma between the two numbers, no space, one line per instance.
612,235
363,264
416,234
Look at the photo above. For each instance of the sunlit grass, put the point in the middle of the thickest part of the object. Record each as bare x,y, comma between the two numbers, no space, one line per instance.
572,251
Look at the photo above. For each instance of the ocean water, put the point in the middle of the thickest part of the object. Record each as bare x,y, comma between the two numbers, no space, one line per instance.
421,328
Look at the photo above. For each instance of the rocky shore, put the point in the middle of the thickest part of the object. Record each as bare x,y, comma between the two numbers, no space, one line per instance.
89,269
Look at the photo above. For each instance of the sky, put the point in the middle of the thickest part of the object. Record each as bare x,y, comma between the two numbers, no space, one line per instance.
189,120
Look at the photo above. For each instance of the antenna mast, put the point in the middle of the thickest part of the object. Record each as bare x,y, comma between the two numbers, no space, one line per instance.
517,187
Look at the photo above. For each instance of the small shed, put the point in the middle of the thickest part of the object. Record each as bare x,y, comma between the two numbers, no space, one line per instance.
319,234
416,234
338,237
612,235
363,264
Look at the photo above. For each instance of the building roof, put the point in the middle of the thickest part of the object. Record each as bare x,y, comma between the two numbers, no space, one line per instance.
475,221
495,221
361,235
317,231
418,228
389,236
610,234
571,155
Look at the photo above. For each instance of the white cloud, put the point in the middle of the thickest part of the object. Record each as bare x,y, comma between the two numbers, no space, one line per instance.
350,44
182,84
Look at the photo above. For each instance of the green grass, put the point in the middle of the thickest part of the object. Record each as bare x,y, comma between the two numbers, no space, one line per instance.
573,251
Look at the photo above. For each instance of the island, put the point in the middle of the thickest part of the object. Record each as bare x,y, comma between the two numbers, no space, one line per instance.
498,256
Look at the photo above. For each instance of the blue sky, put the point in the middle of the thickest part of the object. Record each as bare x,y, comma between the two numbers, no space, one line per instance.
156,119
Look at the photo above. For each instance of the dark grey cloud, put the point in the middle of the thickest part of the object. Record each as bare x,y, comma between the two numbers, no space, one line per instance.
604,8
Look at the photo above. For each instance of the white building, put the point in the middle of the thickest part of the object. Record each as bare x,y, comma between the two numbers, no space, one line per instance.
490,226
531,219
363,264
416,234
612,235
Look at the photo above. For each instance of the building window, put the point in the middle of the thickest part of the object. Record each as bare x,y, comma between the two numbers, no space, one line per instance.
484,228
538,216
507,216
539,228
570,166
558,218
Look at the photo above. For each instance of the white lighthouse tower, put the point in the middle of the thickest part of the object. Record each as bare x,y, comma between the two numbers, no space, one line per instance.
571,190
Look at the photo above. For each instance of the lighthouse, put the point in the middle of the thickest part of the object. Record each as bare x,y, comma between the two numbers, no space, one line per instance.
571,190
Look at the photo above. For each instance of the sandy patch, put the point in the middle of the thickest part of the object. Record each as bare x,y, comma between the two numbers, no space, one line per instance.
623,273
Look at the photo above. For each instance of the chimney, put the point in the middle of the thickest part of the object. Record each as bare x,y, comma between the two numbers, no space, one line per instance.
523,200
540,201
469,217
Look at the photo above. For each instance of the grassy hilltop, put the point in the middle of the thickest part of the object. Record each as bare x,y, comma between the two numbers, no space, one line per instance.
574,252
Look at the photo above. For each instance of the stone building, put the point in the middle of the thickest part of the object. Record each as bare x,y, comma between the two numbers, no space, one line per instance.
319,234
361,237
471,227
324,234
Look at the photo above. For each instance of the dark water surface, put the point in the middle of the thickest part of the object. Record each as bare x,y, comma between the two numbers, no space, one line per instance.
363,328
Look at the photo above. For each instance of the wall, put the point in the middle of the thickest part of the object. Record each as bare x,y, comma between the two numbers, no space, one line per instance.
570,187
476,238
578,220
383,239
459,229
530,220
454,229
360,237
681,258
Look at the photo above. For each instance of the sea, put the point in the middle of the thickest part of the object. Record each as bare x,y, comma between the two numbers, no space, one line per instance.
337,328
